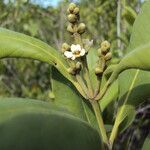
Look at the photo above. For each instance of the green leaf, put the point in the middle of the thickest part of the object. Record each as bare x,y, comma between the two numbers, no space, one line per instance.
29,124
146,144
134,89
138,50
134,84
92,58
110,70
141,32
13,44
66,96
111,95
137,59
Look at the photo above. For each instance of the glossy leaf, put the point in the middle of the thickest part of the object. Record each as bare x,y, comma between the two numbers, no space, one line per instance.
110,70
92,58
29,124
138,50
134,84
146,144
137,59
13,44
111,95
67,96
134,89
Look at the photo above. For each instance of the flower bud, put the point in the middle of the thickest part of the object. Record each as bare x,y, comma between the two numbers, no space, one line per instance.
81,28
99,52
108,56
98,71
105,44
72,7
76,11
65,47
72,18
70,28
78,65
104,49
51,95
68,11
71,71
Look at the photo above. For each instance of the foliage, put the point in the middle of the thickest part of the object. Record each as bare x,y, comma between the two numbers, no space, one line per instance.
86,91
33,125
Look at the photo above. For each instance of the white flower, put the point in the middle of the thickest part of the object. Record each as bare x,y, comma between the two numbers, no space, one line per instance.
76,51
87,44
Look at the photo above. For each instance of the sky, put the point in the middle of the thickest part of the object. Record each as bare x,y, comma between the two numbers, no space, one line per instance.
46,3
43,3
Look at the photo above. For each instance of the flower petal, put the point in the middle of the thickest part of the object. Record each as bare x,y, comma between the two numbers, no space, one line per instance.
73,57
87,42
82,53
73,47
78,47
68,54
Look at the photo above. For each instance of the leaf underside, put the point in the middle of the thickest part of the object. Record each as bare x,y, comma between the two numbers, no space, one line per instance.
31,124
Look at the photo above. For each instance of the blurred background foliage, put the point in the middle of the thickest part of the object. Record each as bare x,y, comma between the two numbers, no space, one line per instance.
105,19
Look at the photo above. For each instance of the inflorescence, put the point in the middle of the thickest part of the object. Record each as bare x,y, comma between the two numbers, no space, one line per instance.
76,52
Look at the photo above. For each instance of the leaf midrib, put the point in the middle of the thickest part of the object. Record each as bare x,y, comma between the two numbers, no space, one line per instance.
86,114
42,110
54,58
127,97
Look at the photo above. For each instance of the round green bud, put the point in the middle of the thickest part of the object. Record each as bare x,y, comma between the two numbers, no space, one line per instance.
98,71
108,56
105,45
104,50
76,11
72,6
72,18
81,28
78,65
63,50
71,71
65,47
68,11
99,52
70,28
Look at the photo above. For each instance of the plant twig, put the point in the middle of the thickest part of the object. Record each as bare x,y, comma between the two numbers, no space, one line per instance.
82,84
119,27
87,77
100,122
81,91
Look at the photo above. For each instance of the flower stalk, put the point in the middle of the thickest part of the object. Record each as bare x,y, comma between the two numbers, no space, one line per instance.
76,56
100,122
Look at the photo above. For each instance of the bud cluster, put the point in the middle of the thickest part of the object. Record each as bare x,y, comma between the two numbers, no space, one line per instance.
73,18
104,56
76,52
65,47
75,68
